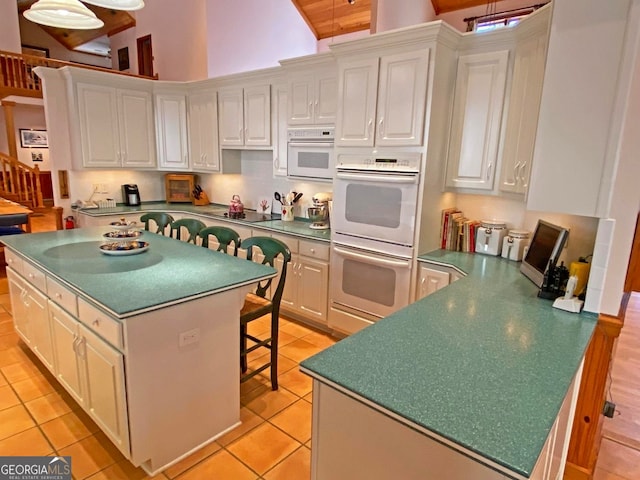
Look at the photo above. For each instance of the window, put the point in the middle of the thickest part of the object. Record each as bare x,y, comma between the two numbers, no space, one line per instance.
495,20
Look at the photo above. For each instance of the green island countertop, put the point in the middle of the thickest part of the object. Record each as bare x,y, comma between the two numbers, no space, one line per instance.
169,272
299,227
483,362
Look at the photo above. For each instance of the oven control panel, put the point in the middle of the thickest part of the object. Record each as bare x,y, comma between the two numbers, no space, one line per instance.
402,162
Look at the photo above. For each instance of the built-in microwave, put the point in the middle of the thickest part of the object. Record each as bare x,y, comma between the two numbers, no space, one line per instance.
310,153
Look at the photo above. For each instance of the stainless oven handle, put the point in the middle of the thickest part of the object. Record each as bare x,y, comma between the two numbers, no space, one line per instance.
373,177
367,258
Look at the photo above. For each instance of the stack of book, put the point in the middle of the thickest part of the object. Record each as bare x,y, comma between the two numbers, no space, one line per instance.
457,232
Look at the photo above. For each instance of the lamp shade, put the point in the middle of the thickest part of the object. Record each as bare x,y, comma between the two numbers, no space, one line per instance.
118,4
63,14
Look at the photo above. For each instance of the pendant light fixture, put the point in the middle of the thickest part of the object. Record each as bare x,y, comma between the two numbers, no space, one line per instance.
118,4
63,14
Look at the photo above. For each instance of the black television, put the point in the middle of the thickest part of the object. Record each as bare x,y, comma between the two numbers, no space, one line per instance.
544,250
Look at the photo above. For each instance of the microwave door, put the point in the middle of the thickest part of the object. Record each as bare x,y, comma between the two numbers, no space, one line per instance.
310,160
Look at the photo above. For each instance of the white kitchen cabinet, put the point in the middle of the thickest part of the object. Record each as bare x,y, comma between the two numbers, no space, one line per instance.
306,291
314,98
577,145
524,105
116,127
171,131
93,373
280,114
244,116
381,100
430,281
432,277
477,118
31,318
203,131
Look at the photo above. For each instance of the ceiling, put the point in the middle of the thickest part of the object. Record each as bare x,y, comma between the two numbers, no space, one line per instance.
114,21
325,18
328,18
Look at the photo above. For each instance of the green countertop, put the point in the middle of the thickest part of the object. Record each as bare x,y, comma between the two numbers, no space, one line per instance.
169,272
299,227
482,362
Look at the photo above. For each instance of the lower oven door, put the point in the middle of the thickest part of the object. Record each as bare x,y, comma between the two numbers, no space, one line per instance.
369,282
379,206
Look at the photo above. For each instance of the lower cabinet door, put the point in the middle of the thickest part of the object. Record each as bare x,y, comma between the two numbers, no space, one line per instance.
64,333
18,293
105,388
38,314
313,289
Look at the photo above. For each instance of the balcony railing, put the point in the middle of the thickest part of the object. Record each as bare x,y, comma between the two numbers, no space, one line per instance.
17,76
20,182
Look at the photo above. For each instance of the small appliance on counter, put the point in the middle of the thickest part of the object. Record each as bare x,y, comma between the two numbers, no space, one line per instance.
514,243
490,236
236,208
131,195
319,213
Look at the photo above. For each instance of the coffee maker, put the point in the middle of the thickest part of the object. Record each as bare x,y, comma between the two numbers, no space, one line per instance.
319,213
131,195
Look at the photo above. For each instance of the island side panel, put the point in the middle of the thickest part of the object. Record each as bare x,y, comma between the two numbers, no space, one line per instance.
352,441
182,397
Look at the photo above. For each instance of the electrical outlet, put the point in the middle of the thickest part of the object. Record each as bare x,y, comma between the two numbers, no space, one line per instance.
189,337
609,409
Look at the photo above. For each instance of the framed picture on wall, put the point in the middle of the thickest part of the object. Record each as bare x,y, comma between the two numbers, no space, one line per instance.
123,58
33,138
35,51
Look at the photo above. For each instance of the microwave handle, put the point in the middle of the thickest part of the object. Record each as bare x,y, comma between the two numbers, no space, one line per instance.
367,258
387,178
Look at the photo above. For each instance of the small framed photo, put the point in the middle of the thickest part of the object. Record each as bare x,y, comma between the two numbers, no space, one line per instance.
264,205
34,138
123,58
36,156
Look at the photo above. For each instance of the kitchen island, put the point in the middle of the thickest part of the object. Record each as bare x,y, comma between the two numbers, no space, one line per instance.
477,380
147,344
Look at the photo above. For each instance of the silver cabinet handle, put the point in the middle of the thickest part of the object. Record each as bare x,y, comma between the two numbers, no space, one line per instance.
516,169
369,125
96,322
489,167
380,127
521,174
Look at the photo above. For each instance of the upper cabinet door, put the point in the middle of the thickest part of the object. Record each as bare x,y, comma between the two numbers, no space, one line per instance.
98,126
302,100
522,118
137,136
203,132
326,99
230,117
357,92
171,124
257,115
477,117
402,93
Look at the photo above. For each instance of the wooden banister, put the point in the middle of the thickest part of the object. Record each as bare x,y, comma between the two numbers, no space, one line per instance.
20,182
17,77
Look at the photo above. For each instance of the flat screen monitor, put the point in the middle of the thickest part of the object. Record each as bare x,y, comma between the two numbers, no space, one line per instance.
545,247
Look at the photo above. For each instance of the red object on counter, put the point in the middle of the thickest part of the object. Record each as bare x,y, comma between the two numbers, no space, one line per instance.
69,223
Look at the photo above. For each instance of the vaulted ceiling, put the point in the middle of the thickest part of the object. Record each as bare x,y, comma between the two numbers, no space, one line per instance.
326,18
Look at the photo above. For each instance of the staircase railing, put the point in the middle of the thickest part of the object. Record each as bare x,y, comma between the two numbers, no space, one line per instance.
20,182
17,76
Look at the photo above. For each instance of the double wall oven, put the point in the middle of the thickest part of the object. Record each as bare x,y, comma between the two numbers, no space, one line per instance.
375,203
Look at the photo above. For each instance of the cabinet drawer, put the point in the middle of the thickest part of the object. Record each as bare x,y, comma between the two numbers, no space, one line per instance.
101,323
314,250
13,260
62,296
290,242
34,276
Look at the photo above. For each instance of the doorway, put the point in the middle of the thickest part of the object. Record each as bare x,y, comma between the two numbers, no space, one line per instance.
145,56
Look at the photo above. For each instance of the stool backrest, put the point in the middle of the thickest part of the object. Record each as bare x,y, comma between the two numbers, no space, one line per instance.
161,219
225,237
192,225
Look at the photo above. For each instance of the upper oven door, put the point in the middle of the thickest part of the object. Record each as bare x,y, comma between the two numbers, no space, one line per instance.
310,160
375,205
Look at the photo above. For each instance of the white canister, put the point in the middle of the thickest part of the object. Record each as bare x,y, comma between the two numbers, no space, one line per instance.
287,213
489,237
514,243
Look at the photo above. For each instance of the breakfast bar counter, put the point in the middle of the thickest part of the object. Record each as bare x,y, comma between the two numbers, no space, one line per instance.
147,344
478,380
